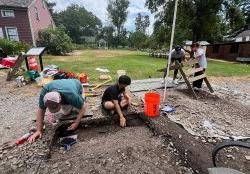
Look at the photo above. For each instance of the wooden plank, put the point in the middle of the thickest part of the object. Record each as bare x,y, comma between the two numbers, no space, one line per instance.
192,71
186,80
197,78
88,114
191,62
208,85
15,69
165,69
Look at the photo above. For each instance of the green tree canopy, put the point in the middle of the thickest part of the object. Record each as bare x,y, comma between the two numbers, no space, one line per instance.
78,22
142,23
196,19
138,40
107,33
118,12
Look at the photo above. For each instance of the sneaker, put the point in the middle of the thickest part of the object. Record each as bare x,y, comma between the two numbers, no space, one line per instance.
175,82
197,89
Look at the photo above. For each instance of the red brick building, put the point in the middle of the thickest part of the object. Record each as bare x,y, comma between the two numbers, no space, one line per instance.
229,51
21,20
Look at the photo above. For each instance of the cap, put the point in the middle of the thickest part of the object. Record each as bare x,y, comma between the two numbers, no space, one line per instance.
177,48
52,101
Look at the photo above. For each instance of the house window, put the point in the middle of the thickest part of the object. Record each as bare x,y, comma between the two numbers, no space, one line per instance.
1,33
7,13
12,33
216,49
37,14
234,48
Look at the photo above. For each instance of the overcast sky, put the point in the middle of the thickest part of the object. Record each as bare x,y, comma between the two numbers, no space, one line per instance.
98,7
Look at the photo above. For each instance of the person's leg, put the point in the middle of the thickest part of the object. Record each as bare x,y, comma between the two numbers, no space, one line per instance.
175,74
67,109
198,83
108,105
165,72
124,103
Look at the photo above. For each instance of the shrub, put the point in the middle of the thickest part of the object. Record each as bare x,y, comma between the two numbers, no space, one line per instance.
56,41
12,47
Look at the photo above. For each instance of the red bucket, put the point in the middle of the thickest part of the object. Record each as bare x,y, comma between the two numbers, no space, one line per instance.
152,104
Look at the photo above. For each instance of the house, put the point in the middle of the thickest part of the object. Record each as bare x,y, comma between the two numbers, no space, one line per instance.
102,44
21,20
231,51
243,36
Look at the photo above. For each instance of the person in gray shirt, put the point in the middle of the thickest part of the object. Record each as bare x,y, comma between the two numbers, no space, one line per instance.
177,54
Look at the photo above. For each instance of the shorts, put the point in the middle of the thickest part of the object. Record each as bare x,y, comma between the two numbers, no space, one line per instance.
178,59
120,97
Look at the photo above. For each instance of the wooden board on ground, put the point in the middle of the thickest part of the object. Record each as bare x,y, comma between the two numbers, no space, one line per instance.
88,114
15,69
148,85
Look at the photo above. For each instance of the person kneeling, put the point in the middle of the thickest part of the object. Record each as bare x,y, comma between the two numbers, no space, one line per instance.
115,98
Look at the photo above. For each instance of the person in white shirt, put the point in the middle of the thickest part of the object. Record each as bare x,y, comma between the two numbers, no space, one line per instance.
176,54
200,55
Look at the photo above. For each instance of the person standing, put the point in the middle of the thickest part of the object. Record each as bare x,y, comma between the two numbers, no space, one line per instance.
200,55
177,54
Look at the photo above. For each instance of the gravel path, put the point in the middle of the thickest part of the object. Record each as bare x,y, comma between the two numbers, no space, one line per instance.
17,107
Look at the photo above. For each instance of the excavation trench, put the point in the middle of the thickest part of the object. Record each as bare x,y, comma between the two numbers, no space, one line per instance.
104,147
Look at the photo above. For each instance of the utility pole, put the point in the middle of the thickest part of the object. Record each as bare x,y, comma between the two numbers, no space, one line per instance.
171,47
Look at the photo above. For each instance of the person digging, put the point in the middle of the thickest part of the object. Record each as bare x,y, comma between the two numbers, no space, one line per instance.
115,98
64,95
177,54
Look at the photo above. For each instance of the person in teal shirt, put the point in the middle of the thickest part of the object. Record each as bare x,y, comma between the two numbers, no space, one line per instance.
59,95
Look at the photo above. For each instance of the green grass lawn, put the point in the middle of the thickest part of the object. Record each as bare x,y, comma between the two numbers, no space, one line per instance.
137,64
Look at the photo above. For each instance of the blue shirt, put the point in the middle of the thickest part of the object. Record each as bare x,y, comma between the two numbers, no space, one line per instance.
70,90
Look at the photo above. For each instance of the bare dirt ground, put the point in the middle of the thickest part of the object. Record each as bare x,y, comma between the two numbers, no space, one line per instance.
110,149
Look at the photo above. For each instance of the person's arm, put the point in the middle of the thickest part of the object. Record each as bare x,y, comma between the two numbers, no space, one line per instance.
119,111
39,125
127,97
81,113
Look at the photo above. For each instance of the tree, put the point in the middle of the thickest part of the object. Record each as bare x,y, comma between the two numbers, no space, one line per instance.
117,11
56,41
146,22
236,18
78,22
236,13
138,40
51,6
142,23
107,33
196,19
138,23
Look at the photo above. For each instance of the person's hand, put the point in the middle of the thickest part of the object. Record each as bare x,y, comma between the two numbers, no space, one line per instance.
73,126
37,134
122,121
129,100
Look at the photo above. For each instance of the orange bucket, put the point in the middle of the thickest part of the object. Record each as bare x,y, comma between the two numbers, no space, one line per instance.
152,104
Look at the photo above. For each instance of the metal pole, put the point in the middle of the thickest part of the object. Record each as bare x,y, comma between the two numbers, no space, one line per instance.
171,47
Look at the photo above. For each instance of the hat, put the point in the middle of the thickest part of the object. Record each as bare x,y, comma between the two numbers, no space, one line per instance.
52,101
177,48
